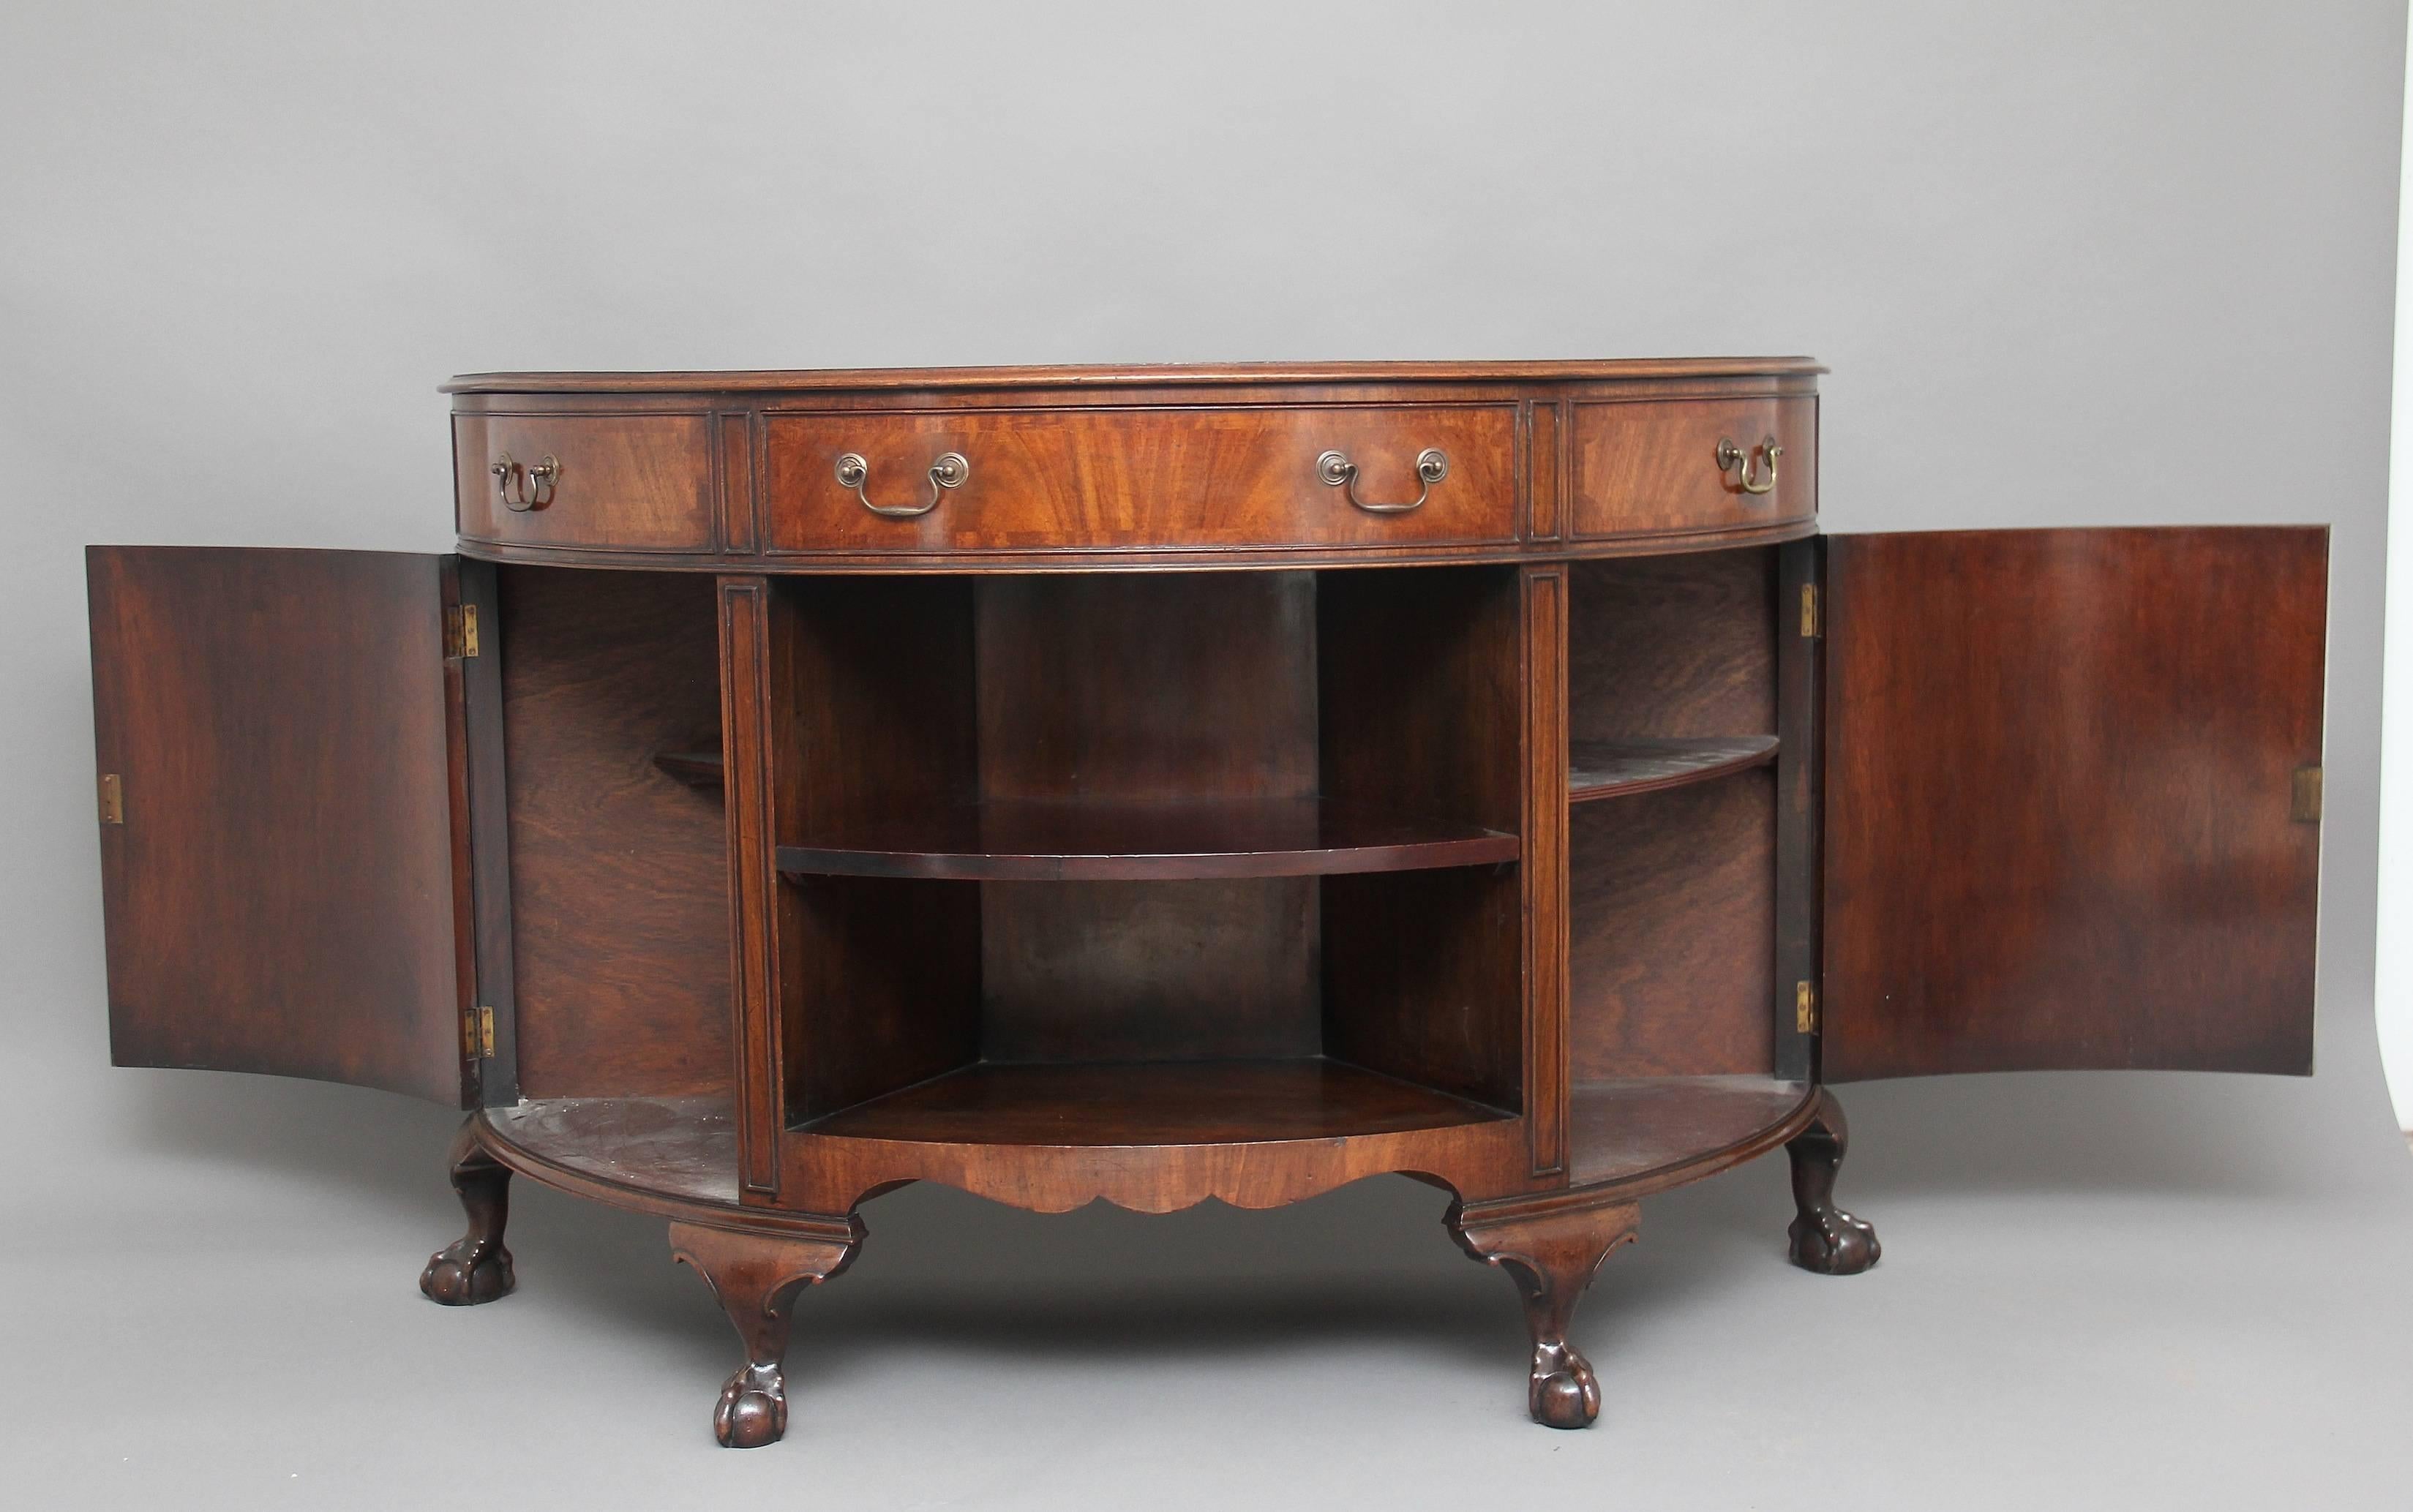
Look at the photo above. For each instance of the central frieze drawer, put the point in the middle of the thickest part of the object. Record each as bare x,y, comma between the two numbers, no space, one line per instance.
1242,476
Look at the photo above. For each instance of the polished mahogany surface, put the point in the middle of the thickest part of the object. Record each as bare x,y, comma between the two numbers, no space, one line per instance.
1610,768
635,482
1157,785
681,1147
696,768
1191,1103
1633,1129
1423,682
1028,839
1636,465
2063,822
1672,648
617,871
284,876
1672,957
1130,692
1167,374
1174,476
1154,1136
1101,469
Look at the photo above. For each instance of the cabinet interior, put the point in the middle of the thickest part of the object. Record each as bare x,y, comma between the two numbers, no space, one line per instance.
1672,733
1209,820
619,870
1086,850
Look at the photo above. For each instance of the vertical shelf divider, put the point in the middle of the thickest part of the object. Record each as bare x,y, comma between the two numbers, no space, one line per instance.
1545,867
745,691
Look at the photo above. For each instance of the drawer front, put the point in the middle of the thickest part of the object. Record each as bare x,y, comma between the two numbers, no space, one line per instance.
625,483
1171,478
1656,465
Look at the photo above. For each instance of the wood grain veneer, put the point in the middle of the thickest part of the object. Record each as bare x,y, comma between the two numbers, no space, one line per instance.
1187,476
1132,691
282,886
619,873
628,483
1083,782
1670,973
1167,374
1620,768
2061,823
1639,467
1672,648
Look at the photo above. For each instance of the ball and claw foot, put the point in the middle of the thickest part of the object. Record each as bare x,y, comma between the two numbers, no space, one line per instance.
753,1408
467,1272
757,1278
1551,1252
1832,1242
1564,1393
1825,1238
475,1267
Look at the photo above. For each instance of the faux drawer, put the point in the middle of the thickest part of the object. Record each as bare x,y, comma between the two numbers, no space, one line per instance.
1655,465
627,482
1235,476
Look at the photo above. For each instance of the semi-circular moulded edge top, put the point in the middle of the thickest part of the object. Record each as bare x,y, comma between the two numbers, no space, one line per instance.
1165,375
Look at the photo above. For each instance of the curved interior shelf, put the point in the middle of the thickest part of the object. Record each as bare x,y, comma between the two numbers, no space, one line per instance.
1097,1105
1619,1130
696,768
1081,839
685,1146
1617,769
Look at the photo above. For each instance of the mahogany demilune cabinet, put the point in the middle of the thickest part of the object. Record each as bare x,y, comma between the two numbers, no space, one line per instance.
1159,784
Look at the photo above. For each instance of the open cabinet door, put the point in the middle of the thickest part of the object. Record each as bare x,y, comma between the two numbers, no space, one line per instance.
285,827
2072,800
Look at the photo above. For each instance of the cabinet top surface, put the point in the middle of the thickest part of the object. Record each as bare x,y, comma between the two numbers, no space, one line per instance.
1169,375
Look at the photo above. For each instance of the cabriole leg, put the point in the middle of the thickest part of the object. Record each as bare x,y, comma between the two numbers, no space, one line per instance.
1825,1238
757,1277
476,1267
1551,1254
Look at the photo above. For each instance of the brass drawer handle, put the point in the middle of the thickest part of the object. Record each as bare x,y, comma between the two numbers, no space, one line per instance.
1338,471
526,489
1731,457
949,471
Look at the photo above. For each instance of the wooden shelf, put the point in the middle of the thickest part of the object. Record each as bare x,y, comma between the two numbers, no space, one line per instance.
1617,769
1619,1130
696,768
684,1146
1145,1103
1092,841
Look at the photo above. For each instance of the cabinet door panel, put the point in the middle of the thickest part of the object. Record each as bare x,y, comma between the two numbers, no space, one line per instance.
285,888
2060,820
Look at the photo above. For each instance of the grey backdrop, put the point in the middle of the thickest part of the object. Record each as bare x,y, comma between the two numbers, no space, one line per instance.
2072,264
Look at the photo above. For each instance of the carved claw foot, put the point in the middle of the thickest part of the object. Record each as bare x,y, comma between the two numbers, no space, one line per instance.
467,1272
757,1276
1564,1393
1551,1253
1833,1243
476,1267
1824,1238
753,1408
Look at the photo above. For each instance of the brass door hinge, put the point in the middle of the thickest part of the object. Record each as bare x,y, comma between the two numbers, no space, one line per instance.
2304,799
1808,611
113,799
1805,1008
461,631
478,1029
